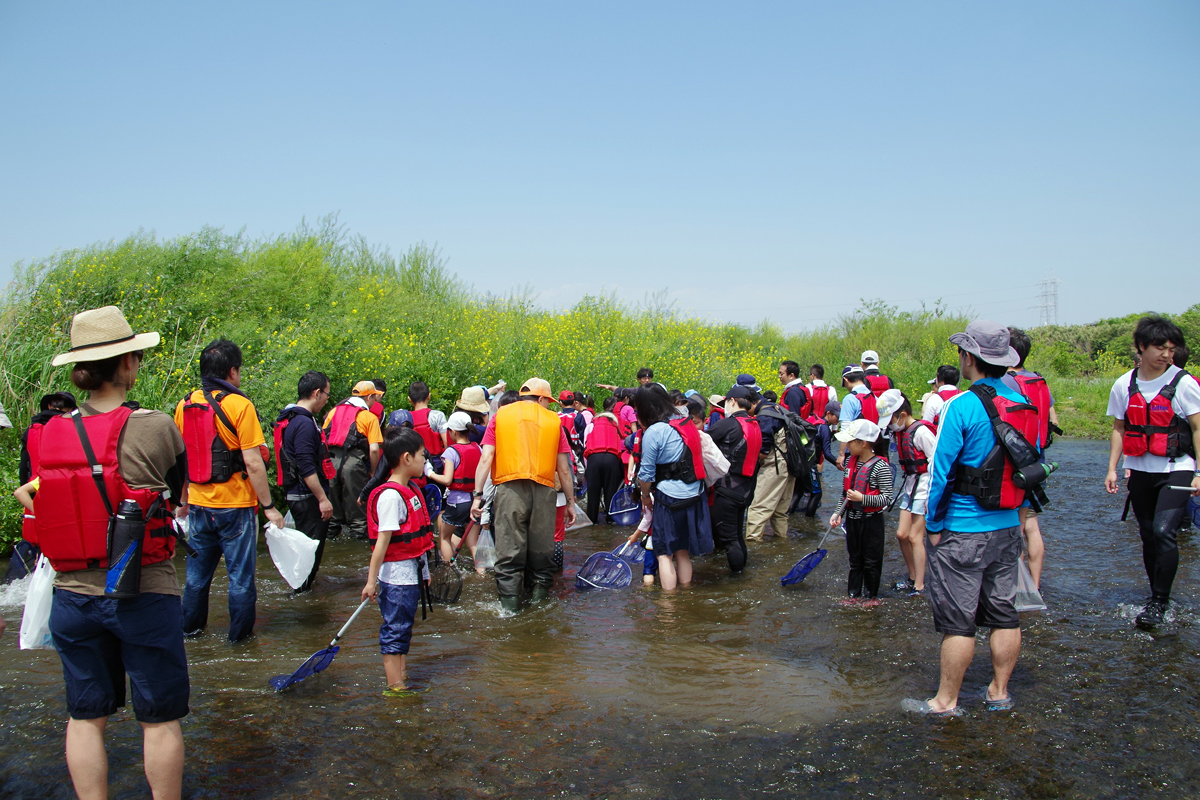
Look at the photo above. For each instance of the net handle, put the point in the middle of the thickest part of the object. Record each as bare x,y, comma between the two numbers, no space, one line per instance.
346,627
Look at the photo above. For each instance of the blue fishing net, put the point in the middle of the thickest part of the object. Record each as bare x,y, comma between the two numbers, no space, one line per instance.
315,663
623,509
603,571
633,553
803,567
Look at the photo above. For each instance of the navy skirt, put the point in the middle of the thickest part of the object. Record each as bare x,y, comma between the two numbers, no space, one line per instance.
681,524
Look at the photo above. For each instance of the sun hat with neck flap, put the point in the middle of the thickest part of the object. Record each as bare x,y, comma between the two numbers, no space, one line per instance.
103,333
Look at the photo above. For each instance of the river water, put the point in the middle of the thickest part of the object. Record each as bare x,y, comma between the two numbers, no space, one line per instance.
733,687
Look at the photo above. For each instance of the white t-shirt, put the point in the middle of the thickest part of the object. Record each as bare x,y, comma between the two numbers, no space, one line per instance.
436,420
1185,403
393,514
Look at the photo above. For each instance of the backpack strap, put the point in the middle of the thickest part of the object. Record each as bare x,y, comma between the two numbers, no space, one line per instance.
215,404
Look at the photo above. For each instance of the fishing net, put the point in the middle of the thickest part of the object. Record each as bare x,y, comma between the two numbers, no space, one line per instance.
632,552
623,509
810,561
445,583
603,571
315,663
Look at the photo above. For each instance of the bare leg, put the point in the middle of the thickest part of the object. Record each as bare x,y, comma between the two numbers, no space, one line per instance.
683,567
445,540
86,759
916,537
903,535
393,668
162,745
957,652
1037,548
666,572
472,537
1006,646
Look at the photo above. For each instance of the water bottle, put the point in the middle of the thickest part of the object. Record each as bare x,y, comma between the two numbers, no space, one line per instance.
1031,475
126,529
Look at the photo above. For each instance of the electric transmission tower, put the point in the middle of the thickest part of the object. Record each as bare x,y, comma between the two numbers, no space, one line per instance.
1049,301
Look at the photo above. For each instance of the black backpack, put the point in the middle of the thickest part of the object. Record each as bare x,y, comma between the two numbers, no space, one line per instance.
801,438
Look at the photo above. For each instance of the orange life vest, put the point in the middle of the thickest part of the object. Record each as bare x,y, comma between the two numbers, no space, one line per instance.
527,438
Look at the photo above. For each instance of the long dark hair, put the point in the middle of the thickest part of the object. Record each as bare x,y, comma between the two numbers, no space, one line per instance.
653,404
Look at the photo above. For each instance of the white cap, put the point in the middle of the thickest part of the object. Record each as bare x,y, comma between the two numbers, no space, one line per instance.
858,429
458,421
887,404
869,357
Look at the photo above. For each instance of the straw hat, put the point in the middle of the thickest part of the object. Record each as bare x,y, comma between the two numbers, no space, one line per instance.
102,333
473,398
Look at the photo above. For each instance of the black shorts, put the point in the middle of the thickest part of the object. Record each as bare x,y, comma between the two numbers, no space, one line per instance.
457,515
972,580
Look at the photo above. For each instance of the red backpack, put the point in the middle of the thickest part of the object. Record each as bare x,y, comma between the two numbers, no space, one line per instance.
209,459
991,483
285,468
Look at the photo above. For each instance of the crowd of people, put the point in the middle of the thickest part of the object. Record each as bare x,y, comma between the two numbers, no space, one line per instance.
713,475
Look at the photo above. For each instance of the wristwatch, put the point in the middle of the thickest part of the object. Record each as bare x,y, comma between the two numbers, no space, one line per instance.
476,494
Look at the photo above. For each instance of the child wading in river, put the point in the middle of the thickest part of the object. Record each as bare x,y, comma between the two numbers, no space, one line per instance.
401,533
866,494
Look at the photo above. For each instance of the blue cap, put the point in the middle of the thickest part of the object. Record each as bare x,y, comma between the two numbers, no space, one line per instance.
747,380
400,416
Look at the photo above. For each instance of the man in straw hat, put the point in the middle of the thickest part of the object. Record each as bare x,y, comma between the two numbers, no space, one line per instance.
101,639
227,481
524,449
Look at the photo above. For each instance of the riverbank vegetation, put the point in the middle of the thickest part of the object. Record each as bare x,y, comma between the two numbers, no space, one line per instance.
319,298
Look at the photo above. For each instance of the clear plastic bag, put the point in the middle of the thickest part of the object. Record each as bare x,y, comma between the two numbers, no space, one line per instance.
1028,597
485,551
293,553
35,624
581,520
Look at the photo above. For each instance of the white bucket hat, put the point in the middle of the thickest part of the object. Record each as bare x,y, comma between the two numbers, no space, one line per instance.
102,333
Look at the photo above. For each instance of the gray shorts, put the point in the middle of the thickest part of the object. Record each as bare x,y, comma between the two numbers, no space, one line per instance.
972,580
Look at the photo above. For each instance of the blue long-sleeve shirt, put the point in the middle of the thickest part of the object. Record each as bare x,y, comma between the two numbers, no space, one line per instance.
964,437
662,445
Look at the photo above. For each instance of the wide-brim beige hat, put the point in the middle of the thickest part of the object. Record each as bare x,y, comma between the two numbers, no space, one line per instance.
474,399
103,333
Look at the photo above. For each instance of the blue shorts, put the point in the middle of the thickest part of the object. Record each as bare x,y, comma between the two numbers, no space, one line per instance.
398,604
101,639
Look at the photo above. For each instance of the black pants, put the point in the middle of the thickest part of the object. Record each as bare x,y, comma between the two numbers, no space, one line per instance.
1159,511
605,473
352,475
307,514
728,517
864,546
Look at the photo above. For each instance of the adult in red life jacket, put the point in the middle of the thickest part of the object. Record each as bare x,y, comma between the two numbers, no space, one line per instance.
866,494
740,440
820,392
795,397
429,423
227,481
974,529
101,639
671,480
1034,387
355,439
26,552
945,386
859,403
877,382
1156,426
915,440
303,465
603,447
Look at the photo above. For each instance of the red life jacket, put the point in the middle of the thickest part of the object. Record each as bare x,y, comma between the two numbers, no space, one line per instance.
820,399
285,467
1038,393
209,459
604,438
716,416
624,427
913,460
377,409
72,519
33,445
805,399
574,437
463,479
1154,427
690,466
878,384
433,442
416,532
858,478
752,434
946,392
991,482
869,411
343,428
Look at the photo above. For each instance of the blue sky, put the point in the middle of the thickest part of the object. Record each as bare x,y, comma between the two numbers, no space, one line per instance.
755,160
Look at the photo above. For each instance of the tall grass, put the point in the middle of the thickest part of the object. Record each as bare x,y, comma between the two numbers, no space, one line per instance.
319,298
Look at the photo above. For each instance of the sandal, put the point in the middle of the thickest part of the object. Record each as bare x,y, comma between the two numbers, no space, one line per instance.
1003,704
923,707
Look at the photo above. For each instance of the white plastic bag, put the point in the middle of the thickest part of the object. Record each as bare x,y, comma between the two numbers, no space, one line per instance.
581,520
35,624
1028,597
292,552
485,551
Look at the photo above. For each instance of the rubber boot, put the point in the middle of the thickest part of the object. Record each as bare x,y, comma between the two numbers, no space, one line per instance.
510,603
539,593
737,558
